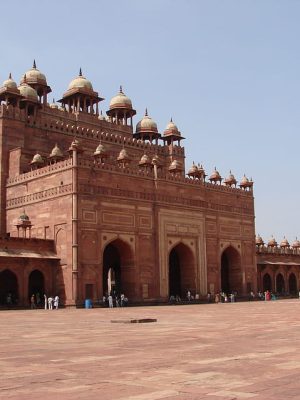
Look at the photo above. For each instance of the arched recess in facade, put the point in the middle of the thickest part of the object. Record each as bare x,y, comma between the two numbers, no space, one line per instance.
231,271
36,284
182,271
280,283
293,288
267,282
118,269
8,285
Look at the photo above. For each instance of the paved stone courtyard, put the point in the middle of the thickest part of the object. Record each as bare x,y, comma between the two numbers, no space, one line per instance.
215,351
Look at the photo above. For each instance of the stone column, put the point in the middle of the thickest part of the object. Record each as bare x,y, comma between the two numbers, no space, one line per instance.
75,228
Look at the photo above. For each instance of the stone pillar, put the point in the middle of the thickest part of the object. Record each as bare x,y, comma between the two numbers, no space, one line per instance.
74,228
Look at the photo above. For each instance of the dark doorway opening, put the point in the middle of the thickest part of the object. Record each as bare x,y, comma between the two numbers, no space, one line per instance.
111,270
231,273
36,286
267,283
9,291
174,275
293,289
279,284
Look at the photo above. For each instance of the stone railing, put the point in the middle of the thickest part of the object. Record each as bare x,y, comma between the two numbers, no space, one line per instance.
36,173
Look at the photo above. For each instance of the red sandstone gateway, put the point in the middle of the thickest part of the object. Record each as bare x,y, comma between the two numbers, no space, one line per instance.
88,207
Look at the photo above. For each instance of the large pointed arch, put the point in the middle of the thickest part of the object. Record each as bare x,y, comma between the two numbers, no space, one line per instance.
267,282
280,284
231,271
36,285
293,287
118,269
182,270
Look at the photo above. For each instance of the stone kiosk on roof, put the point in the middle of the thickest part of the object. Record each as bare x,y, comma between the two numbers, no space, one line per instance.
110,207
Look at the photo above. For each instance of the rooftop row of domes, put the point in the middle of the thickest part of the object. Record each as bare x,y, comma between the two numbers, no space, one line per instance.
198,172
34,84
273,243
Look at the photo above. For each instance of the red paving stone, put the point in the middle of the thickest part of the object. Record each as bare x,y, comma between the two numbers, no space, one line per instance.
193,352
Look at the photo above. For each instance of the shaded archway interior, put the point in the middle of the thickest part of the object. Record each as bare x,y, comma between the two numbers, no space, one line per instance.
8,286
279,283
36,284
267,282
231,271
182,271
118,269
293,284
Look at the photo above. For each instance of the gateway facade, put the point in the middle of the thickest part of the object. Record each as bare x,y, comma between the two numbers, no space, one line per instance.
90,204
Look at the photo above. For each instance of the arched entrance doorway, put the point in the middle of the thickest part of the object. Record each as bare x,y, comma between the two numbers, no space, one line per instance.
279,284
118,269
293,284
267,283
8,287
231,271
182,271
36,286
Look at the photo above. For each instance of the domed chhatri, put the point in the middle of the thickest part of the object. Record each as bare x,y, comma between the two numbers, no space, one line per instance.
53,104
24,224
196,172
175,167
284,243
215,177
145,160
230,180
296,244
37,80
56,154
80,82
259,240
24,217
193,171
27,91
80,96
10,83
37,161
272,242
120,101
246,183
172,134
34,76
9,92
100,154
171,129
120,109
146,129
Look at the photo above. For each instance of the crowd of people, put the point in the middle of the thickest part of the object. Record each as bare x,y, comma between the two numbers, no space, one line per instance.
50,303
115,300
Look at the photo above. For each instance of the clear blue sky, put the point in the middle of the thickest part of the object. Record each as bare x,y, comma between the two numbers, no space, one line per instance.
226,71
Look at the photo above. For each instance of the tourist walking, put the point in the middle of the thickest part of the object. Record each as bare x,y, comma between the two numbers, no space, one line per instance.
56,301
32,302
45,301
50,303
110,301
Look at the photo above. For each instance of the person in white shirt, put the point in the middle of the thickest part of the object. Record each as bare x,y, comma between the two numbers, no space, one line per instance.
110,301
56,301
50,302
